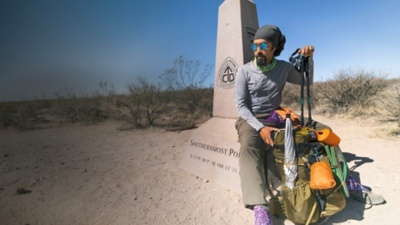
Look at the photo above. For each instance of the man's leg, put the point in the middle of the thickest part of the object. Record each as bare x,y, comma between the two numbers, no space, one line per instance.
251,163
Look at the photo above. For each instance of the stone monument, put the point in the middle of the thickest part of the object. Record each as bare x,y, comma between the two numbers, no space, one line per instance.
213,150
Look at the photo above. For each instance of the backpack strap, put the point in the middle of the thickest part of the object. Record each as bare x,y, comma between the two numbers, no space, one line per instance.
339,170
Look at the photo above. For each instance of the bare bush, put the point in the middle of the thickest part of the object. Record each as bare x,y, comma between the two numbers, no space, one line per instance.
105,89
7,110
25,115
351,89
388,102
190,101
186,74
150,105
84,107
143,105
85,110
187,77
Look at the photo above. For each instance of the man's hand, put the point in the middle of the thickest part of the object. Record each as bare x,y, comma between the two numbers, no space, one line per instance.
265,134
307,51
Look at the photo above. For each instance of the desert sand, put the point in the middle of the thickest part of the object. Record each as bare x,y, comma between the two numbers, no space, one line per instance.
98,175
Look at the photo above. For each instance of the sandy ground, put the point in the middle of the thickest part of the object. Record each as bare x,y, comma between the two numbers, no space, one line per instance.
97,174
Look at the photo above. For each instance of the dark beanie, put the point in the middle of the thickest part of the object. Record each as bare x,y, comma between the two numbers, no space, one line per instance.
270,33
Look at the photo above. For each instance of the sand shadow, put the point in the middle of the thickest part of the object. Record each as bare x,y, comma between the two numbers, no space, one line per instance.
358,160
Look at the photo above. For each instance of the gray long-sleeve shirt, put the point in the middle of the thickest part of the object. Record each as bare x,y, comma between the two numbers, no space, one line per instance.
260,93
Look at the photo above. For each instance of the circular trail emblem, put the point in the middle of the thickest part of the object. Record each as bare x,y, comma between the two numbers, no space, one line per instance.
227,73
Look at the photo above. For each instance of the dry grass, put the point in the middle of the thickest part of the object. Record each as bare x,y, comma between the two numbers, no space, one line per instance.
148,106
145,108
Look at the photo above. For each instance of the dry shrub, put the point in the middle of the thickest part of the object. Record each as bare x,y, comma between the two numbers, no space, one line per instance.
146,105
143,106
352,92
186,74
191,100
388,106
84,107
24,115
186,81
7,112
82,110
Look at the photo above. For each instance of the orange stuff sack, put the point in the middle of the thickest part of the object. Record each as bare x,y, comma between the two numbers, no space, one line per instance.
321,176
327,137
283,111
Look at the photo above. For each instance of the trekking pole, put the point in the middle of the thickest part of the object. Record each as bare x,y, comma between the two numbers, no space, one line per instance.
301,64
298,63
307,77
302,91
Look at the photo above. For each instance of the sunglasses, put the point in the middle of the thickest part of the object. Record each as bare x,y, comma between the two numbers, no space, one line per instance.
262,45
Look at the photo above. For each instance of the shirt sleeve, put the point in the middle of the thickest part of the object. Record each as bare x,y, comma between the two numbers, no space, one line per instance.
241,95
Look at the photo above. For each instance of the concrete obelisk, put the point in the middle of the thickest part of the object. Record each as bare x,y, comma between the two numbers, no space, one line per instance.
213,150
237,23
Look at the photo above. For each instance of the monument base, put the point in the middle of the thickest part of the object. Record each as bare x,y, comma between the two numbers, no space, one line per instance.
213,153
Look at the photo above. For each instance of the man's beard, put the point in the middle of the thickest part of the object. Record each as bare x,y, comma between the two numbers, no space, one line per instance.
261,60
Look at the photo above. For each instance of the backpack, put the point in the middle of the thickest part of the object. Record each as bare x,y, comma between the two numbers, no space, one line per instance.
302,204
314,180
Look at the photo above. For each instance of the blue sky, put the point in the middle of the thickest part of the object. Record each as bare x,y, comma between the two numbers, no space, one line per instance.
48,45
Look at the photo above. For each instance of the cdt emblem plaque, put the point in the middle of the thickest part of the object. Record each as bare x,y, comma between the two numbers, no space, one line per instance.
227,73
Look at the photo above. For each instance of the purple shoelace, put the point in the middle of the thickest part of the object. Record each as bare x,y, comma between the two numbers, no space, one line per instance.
353,185
262,216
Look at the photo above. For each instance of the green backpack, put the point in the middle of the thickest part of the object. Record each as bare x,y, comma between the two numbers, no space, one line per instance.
301,204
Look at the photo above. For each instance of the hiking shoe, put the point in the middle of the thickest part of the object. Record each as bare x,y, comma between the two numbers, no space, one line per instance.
262,216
